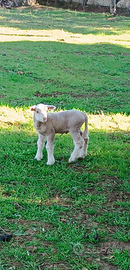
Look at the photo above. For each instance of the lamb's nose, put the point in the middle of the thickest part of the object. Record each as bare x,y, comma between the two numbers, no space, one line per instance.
44,119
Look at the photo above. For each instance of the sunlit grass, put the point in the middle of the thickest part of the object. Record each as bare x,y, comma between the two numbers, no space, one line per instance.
101,121
13,115
13,34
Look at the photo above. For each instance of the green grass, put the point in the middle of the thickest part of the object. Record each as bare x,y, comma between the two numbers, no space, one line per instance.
73,79
65,216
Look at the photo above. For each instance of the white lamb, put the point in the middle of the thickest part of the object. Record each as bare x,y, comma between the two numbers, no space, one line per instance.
47,124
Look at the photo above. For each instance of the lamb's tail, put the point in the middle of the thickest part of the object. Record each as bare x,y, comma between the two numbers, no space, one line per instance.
85,134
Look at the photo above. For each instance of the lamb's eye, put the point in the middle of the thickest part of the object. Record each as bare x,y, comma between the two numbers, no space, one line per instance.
37,111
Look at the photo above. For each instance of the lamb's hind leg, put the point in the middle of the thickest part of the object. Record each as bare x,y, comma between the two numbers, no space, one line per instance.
78,151
85,144
40,145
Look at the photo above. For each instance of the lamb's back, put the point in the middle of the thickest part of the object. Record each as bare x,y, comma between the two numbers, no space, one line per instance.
63,121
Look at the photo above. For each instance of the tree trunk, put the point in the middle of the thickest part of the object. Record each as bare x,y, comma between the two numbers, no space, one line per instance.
113,7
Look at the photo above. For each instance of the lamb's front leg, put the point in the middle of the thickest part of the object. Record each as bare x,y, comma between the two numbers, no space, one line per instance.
40,145
49,148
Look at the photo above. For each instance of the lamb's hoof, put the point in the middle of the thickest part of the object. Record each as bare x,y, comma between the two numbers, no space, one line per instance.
71,160
38,158
81,157
51,162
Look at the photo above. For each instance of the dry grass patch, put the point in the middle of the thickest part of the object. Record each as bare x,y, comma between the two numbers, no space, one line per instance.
8,34
114,122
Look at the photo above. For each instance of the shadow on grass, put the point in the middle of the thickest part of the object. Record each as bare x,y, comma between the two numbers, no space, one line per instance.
71,213
107,158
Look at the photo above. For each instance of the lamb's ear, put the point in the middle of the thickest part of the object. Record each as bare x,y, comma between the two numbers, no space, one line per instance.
51,107
33,108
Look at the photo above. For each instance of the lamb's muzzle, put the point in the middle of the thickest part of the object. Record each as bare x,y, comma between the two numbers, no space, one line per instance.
48,124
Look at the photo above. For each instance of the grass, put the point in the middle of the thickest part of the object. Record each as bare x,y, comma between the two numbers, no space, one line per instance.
65,216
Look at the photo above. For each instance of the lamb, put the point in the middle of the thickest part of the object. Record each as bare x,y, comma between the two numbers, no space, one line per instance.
48,124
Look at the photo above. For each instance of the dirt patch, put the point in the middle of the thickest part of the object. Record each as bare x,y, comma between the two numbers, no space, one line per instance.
2,96
128,133
27,231
78,53
15,265
4,70
111,245
113,197
88,95
61,266
6,194
54,94
76,167
72,94
126,54
104,252
111,185
58,201
111,55
110,178
26,222
107,266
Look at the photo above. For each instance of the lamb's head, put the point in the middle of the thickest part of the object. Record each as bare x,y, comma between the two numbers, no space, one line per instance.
41,110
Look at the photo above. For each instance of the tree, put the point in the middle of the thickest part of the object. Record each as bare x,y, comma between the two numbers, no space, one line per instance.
84,3
113,6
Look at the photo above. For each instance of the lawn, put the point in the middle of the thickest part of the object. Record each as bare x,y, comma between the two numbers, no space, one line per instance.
65,216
